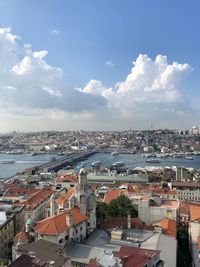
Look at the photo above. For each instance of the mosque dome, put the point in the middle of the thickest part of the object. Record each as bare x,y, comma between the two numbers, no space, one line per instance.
29,221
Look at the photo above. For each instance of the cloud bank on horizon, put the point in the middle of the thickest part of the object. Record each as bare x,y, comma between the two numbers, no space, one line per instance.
29,86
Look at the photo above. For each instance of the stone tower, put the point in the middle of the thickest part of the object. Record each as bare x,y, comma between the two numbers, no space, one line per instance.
86,200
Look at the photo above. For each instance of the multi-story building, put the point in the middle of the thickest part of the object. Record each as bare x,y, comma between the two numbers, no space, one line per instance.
19,211
188,195
36,204
76,221
6,234
151,210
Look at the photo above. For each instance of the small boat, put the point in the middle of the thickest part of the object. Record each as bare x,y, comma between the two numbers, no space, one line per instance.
178,155
7,161
114,153
189,158
96,163
118,164
34,154
153,160
61,153
17,152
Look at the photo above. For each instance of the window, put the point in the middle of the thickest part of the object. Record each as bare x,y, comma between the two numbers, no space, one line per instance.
61,241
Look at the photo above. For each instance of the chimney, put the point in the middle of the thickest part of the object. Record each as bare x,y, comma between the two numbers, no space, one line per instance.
129,221
69,219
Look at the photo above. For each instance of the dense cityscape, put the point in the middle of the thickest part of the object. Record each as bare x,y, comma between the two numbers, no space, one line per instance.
99,214
100,133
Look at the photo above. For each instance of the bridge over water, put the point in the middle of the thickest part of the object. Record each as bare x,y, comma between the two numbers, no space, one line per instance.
69,159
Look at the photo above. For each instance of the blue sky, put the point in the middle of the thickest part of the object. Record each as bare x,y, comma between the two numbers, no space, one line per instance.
99,40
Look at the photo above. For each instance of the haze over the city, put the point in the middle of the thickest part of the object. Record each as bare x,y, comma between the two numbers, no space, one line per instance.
99,65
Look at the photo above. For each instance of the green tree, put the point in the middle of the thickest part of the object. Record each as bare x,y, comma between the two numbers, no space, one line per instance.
121,207
101,210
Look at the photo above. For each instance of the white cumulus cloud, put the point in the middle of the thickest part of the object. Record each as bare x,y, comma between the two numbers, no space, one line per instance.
28,82
150,83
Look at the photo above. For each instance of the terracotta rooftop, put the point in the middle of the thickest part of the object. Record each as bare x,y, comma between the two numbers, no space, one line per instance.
114,194
137,257
184,208
168,226
170,204
37,198
17,192
56,224
65,198
186,184
22,236
194,213
66,178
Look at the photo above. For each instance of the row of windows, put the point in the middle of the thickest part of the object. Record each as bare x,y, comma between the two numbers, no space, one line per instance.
190,198
189,193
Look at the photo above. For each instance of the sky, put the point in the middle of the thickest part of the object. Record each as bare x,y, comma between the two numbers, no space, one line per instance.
99,65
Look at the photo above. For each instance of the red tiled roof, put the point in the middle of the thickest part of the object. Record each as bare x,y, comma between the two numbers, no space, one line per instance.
66,178
194,212
114,194
16,192
168,226
184,209
57,224
136,257
37,198
22,236
65,198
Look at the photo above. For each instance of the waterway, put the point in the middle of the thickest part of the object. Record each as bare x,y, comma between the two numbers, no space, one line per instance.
136,160
22,162
130,160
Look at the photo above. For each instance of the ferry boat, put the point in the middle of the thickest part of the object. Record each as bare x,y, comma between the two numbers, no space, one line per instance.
114,153
153,160
7,161
178,155
118,164
189,158
17,152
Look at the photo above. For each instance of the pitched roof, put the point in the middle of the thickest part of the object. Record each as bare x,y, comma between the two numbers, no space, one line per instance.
65,198
114,194
22,236
27,261
56,224
66,178
136,257
168,226
46,251
37,198
184,209
194,212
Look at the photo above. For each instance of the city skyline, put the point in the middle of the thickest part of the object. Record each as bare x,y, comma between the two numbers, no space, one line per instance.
71,65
